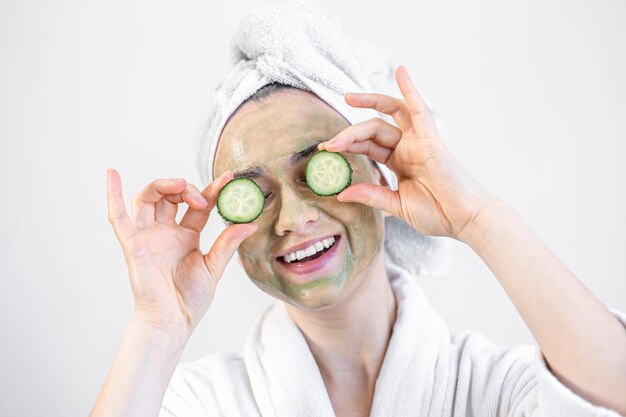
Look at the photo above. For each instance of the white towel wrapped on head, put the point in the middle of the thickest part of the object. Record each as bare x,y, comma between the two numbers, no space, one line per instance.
295,44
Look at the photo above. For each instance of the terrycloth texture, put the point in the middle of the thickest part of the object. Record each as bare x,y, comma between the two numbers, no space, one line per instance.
295,44
425,373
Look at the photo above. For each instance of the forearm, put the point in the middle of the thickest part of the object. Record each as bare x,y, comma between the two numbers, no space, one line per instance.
141,371
584,344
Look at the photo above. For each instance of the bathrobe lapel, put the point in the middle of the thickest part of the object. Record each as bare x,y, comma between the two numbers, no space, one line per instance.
286,380
284,376
412,379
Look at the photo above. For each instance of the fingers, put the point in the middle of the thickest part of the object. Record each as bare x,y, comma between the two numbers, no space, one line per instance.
196,219
167,207
374,138
143,204
372,195
372,150
407,113
118,217
225,246
174,189
392,106
419,111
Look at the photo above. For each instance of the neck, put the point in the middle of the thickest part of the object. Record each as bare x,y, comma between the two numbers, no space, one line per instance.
350,338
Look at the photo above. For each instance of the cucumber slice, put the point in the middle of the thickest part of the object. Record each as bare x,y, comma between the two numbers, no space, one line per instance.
241,200
328,173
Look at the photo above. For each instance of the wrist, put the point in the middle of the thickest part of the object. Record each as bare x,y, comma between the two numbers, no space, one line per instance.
159,335
143,366
476,232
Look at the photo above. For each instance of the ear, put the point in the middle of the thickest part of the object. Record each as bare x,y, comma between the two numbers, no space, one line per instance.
239,259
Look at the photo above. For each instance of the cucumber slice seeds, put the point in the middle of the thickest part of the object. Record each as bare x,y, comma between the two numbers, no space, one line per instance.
328,173
241,200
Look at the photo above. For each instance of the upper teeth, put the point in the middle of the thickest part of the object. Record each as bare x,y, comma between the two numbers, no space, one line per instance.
311,250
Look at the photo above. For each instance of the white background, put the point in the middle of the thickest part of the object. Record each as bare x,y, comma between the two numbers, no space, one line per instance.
533,97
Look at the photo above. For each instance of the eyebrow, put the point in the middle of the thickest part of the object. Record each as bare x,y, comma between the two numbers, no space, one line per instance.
252,172
300,155
296,157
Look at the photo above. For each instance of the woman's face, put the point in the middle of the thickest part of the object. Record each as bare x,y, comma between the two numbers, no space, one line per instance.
270,142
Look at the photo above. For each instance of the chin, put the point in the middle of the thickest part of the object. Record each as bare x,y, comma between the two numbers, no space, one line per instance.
315,295
314,303
326,294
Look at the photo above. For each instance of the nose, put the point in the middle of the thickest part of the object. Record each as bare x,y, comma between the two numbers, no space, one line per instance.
296,214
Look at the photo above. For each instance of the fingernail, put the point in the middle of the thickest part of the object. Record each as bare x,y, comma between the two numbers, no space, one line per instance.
406,72
333,141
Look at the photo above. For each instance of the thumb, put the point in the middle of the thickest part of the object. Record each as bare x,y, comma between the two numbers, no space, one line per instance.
372,195
225,246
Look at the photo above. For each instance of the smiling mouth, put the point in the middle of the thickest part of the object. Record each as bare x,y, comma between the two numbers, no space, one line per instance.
310,258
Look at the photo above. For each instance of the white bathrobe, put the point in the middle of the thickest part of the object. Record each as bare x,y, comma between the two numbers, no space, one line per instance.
425,372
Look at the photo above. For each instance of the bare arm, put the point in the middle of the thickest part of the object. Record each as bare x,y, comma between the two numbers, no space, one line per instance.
584,344
173,285
142,368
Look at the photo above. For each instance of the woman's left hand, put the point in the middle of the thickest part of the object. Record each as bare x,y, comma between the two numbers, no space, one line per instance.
435,194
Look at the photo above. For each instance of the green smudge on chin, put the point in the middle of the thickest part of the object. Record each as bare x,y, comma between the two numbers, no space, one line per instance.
323,290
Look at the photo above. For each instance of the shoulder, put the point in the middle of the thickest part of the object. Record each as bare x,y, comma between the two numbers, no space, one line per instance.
493,376
213,373
512,381
216,366
211,385
471,346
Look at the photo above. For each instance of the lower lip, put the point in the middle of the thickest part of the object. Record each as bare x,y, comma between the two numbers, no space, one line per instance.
306,271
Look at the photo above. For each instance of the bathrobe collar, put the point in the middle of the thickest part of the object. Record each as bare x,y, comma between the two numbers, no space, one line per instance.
286,380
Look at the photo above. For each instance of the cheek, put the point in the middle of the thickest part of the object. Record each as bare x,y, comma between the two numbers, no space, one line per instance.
364,224
254,256
366,231
364,228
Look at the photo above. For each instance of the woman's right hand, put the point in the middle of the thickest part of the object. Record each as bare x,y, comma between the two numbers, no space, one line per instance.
173,282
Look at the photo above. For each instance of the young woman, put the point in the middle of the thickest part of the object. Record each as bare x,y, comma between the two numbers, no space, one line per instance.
350,334
346,308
